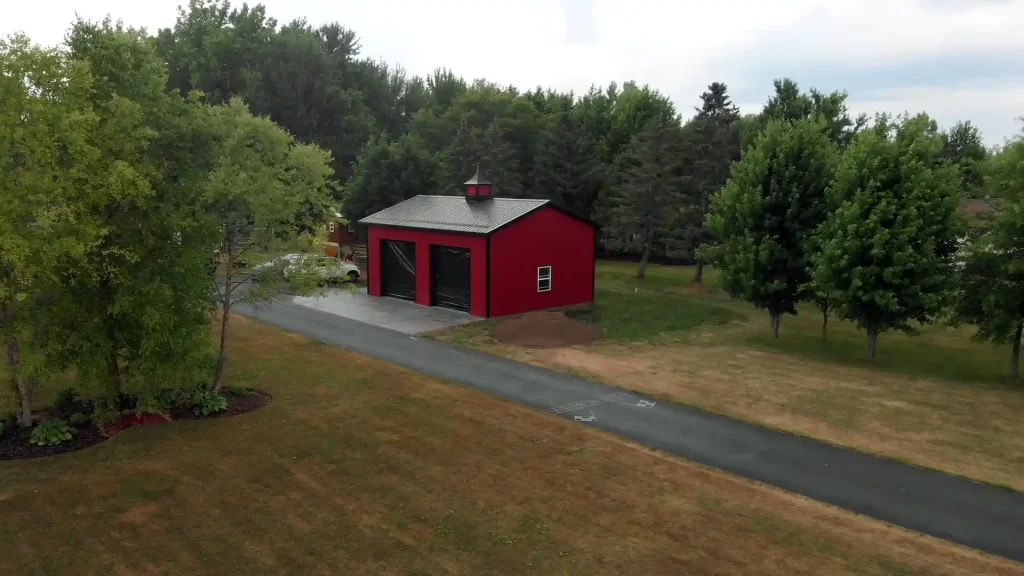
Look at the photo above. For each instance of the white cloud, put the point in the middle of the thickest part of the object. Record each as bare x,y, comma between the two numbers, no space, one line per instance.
993,108
676,46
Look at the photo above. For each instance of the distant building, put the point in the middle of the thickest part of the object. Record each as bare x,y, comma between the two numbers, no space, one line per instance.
486,255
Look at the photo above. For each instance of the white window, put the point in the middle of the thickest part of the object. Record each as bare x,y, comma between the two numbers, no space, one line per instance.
544,279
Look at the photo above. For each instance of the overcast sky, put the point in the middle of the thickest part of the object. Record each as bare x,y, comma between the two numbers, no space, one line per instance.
955,59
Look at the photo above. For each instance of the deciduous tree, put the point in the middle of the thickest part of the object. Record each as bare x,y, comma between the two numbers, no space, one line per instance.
888,249
46,154
260,180
765,216
964,147
991,290
132,312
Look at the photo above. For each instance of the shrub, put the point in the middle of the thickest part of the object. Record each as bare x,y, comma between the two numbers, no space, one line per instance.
8,424
51,432
208,402
160,401
68,402
78,420
103,413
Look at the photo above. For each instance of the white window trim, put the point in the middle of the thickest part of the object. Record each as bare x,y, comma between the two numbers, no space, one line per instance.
541,277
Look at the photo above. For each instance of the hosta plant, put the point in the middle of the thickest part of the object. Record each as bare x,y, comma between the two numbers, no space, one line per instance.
51,432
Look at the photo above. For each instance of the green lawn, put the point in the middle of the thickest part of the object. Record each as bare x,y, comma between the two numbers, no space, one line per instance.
359,467
670,302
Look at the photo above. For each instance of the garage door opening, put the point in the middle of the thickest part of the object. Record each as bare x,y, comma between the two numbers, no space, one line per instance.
449,277
398,269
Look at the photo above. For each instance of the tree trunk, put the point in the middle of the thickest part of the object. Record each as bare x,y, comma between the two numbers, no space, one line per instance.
698,274
776,320
20,387
113,376
222,357
872,341
18,383
824,326
648,240
1015,358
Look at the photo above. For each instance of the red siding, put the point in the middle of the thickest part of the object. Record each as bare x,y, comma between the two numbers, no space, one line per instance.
424,238
546,237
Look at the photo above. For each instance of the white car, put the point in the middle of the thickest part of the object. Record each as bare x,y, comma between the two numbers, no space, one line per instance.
328,269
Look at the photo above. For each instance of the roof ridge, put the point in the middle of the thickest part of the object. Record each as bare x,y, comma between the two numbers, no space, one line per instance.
457,197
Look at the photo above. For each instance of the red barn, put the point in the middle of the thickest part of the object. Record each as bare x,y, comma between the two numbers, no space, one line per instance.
489,256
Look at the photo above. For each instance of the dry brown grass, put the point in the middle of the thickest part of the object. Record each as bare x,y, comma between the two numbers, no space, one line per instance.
970,431
937,399
359,467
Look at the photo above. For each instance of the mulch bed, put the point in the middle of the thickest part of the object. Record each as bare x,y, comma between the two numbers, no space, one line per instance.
546,329
16,445
254,400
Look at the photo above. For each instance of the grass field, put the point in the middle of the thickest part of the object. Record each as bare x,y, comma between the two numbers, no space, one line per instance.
936,399
359,467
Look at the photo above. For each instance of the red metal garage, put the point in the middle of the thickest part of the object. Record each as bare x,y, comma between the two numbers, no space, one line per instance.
487,255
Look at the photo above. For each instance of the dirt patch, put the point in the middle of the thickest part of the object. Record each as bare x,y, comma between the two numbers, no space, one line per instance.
546,329
16,445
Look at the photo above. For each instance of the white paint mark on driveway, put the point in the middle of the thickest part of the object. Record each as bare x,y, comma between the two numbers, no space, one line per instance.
575,406
590,418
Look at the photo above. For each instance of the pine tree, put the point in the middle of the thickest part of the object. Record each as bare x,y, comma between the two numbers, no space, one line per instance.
388,172
648,189
566,169
488,150
712,144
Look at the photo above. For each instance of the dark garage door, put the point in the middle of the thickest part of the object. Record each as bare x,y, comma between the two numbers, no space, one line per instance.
449,277
398,269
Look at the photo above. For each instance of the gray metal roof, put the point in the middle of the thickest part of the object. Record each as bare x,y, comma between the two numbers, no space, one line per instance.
454,214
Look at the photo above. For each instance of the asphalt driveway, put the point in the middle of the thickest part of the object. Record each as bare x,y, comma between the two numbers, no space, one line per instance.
391,313
963,511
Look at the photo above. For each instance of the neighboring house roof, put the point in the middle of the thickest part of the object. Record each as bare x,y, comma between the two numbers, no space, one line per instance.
454,214
976,206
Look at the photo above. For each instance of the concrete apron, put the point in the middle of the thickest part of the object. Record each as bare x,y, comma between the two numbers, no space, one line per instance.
398,315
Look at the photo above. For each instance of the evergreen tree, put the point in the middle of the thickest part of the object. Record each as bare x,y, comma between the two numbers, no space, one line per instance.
765,216
388,172
488,150
712,145
567,170
887,251
648,189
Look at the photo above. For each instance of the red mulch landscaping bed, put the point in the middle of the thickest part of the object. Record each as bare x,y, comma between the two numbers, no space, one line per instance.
546,329
16,446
